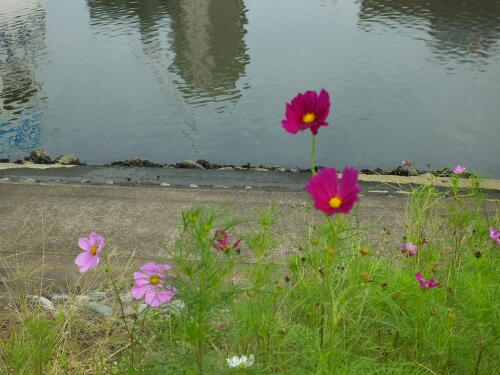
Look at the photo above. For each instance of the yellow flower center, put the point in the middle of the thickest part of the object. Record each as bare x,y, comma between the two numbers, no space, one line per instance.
93,250
335,202
155,279
309,118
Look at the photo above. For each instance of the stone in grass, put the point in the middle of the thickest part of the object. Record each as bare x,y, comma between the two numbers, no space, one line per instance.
103,311
96,295
41,302
39,156
82,300
68,159
59,298
173,307
132,309
126,298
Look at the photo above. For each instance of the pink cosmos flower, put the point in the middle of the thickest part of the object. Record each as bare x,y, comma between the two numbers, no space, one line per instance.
91,246
329,195
409,248
307,110
495,235
459,169
222,241
426,284
149,283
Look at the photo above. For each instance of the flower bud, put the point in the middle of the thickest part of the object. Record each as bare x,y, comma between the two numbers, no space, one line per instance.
364,250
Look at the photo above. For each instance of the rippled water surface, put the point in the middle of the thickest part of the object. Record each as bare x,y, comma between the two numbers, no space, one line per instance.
169,80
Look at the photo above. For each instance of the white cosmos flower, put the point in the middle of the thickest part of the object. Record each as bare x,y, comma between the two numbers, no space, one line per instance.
241,362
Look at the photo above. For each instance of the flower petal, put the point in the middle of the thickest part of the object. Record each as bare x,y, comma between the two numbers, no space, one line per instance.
349,183
86,261
322,106
84,244
290,127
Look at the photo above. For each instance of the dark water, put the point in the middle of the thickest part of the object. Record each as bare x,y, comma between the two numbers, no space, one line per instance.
169,80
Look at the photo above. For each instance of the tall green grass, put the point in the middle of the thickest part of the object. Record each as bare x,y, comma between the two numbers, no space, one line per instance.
338,305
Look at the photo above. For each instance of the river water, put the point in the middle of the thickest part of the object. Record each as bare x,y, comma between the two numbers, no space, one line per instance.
168,80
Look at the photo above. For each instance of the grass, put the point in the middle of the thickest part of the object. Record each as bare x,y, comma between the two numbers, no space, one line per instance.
339,305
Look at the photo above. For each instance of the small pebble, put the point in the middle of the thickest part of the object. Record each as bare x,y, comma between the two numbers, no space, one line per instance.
248,187
164,184
30,180
82,300
59,298
97,295
109,182
221,186
41,302
193,186
103,310
84,181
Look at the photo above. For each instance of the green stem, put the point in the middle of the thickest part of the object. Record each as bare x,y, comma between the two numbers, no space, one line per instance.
117,293
313,171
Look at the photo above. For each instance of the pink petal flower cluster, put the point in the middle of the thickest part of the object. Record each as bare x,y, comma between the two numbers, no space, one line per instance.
91,246
409,248
222,242
459,169
406,163
495,235
150,284
426,284
329,195
307,110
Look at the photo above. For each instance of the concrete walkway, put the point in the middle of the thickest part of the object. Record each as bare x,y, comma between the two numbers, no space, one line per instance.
41,222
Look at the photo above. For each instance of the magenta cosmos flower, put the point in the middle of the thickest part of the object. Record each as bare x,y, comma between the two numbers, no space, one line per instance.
222,241
459,169
409,248
307,110
149,283
495,235
91,246
333,197
426,284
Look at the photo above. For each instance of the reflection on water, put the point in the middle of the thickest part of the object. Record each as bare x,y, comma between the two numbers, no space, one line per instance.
169,80
460,30
205,38
210,53
22,38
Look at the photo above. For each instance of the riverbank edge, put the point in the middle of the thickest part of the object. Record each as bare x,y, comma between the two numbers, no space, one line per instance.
24,171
